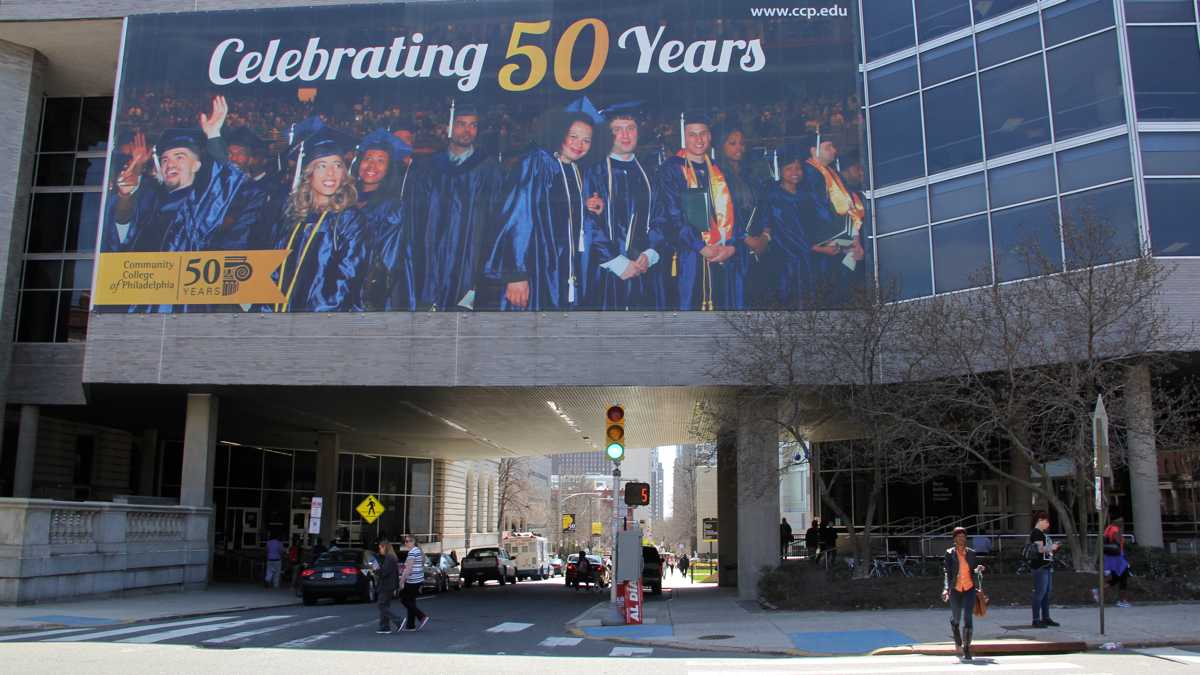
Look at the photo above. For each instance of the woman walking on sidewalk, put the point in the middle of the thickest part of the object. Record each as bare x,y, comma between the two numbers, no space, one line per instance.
1116,566
958,588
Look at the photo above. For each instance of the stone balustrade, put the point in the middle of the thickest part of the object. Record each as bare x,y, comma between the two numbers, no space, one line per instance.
52,550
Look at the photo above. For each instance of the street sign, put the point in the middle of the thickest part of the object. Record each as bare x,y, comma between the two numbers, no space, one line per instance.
1100,439
710,529
315,507
597,528
370,509
568,522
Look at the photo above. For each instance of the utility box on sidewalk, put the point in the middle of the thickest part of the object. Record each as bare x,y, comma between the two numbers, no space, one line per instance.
629,556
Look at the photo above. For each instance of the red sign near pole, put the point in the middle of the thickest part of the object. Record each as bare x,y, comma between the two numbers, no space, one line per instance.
631,591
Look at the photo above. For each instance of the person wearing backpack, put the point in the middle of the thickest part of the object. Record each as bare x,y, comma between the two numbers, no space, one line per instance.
1040,555
1116,566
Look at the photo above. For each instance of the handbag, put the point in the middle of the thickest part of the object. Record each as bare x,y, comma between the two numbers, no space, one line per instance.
981,598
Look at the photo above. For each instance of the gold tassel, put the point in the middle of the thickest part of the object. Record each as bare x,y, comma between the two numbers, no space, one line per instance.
674,265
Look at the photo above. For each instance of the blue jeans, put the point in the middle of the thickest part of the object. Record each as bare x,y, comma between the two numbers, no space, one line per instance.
1041,592
962,603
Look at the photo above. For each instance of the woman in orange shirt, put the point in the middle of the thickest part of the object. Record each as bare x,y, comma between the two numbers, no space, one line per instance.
958,588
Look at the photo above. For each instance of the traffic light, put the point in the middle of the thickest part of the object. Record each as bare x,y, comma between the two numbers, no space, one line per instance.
637,494
614,433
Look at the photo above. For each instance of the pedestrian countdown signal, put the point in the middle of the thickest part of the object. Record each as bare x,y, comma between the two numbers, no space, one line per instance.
637,494
614,433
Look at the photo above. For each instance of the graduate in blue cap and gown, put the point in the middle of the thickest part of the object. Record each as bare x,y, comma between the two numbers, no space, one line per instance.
791,225
245,150
458,196
840,214
697,215
625,250
323,230
198,203
539,255
384,199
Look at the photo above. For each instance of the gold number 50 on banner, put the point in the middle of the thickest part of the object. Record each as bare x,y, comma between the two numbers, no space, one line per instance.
562,55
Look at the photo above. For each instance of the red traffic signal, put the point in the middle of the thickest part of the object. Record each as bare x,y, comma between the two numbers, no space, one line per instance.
616,413
637,494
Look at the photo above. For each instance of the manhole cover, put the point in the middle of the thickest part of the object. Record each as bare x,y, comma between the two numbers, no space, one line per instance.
716,637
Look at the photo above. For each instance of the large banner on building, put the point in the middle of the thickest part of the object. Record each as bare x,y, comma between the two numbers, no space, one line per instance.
486,156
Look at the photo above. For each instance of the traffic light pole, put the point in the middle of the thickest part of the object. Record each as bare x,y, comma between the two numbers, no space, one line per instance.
614,616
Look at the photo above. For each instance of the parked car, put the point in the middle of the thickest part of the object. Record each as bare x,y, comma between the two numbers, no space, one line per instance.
556,567
340,574
442,572
597,573
652,569
491,562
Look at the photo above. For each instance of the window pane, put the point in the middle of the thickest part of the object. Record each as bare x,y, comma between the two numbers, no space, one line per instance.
1111,213
42,274
345,474
89,171
277,470
366,474
1093,164
938,17
38,315
896,141
961,258
245,467
1085,86
47,224
392,475
420,476
904,265
1166,68
892,80
60,120
1158,11
1074,18
84,219
93,126
957,197
1014,106
888,27
73,309
1026,240
1021,182
952,125
986,9
54,170
304,471
1171,154
1010,40
1173,205
418,512
901,211
947,62
77,274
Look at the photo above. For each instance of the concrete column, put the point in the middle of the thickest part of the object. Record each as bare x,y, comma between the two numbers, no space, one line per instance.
327,480
727,510
757,503
26,451
1020,497
1143,458
199,450
21,73
148,471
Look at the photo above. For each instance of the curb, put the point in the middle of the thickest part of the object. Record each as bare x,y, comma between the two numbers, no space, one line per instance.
987,648
671,644
6,630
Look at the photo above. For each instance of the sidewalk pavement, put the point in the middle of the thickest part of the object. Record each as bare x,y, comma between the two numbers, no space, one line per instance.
704,617
221,597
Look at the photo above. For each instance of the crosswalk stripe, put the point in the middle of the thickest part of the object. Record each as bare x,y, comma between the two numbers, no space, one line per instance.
139,629
815,661
1172,654
509,627
927,668
301,643
631,651
560,642
193,630
41,634
261,631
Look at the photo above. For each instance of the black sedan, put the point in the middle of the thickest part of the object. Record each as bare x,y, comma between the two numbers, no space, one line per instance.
340,574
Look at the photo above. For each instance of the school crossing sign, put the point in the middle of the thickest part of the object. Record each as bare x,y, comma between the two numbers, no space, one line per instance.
370,509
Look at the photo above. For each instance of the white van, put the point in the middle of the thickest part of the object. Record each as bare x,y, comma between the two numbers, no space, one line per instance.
531,554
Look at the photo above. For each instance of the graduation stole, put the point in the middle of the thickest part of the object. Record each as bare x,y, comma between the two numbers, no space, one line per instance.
720,228
845,202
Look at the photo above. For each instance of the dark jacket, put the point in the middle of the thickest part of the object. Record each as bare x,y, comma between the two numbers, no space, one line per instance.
950,567
389,573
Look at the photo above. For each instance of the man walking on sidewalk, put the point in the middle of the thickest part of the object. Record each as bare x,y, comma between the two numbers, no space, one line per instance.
412,577
389,568
785,538
1042,566
274,561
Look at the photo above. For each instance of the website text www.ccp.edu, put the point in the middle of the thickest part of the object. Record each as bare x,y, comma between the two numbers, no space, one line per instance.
799,12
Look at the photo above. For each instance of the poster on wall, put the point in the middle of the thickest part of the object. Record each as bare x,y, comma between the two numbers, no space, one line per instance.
504,156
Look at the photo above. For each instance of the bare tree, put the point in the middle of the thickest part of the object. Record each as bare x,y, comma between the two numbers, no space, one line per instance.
512,482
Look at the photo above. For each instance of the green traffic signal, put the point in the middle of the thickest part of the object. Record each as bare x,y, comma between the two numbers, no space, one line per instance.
615,451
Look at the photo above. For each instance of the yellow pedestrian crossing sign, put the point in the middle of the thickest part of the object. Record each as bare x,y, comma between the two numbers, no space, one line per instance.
370,509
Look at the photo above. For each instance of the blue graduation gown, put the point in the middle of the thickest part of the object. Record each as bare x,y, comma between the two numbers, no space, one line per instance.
388,285
541,225
329,277
839,280
790,217
456,208
609,235
727,279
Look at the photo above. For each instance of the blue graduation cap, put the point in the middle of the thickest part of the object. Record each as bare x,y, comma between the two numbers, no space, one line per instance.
169,139
380,139
584,105
633,109
247,139
322,142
